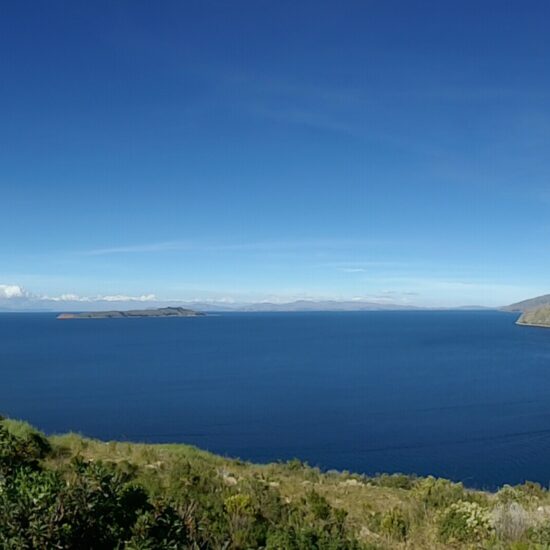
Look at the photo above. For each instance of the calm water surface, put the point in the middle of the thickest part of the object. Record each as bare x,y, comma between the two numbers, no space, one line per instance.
464,395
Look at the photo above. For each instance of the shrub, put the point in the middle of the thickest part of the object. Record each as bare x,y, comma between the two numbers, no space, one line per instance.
394,481
34,439
307,538
394,524
438,493
16,453
464,522
161,527
508,494
527,493
30,510
532,491
540,534
318,505
295,465
372,518
510,521
239,505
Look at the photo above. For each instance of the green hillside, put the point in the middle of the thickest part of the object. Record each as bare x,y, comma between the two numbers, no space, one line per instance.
71,492
539,317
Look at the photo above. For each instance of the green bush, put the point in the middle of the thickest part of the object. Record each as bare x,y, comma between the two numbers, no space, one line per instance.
540,534
394,524
36,440
89,504
318,505
161,527
525,494
395,481
438,493
464,522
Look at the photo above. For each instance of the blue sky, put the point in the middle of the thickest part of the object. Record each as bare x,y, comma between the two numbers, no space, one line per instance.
275,150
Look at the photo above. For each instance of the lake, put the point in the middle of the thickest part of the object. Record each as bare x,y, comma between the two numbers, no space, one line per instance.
459,394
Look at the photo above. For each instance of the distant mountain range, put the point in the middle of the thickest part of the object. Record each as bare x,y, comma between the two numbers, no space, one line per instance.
213,306
324,305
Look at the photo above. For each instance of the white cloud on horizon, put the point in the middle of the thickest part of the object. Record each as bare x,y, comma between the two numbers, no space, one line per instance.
9,292
100,298
125,298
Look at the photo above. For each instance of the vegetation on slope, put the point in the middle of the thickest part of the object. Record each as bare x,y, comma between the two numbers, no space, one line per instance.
539,317
71,492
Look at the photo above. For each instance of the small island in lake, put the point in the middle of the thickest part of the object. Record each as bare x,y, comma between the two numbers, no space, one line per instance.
159,312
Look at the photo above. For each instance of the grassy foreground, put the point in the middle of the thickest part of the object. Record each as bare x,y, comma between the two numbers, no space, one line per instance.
72,492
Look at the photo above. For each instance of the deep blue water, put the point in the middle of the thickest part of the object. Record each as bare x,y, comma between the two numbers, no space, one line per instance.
464,395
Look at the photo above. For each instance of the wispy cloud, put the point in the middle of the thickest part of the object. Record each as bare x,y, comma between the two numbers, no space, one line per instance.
139,248
354,266
168,246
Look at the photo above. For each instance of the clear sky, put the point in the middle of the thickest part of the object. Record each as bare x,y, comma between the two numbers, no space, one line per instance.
231,150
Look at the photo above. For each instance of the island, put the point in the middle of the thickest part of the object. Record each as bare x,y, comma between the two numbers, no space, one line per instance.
539,317
134,313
